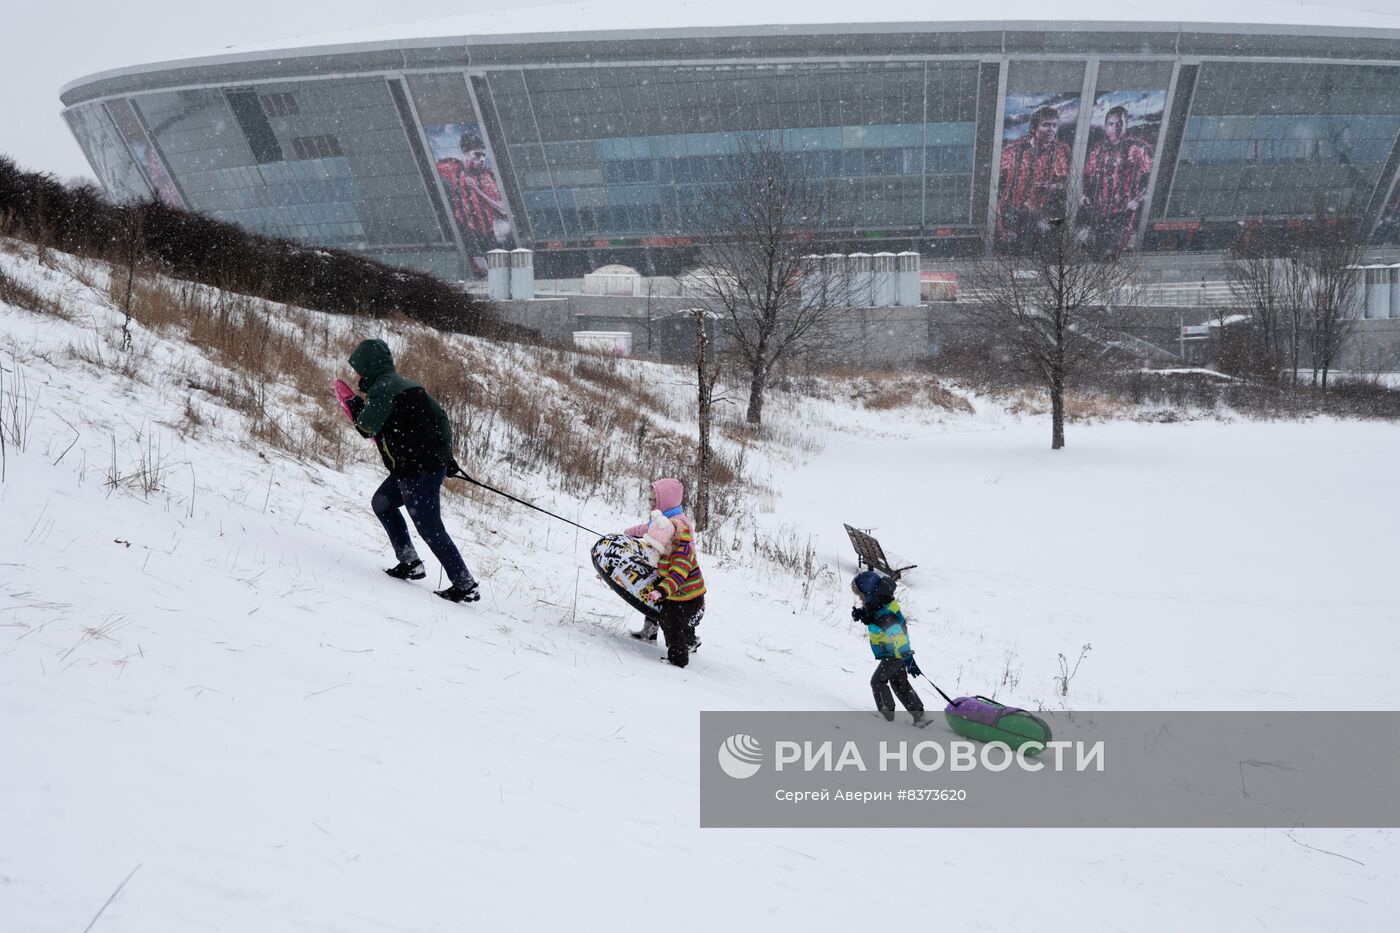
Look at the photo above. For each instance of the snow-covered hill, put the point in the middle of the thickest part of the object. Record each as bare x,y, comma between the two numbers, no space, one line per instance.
203,672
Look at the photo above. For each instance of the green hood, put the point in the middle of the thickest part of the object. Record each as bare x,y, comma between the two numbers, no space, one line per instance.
372,359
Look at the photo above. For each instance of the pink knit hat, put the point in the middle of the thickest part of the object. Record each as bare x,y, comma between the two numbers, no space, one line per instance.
669,493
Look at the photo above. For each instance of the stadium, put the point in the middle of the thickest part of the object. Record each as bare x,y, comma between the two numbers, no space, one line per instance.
590,132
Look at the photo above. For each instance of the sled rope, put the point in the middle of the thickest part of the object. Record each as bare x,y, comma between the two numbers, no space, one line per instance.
457,471
951,701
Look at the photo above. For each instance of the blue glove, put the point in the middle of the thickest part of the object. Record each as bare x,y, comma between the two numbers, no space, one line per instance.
911,666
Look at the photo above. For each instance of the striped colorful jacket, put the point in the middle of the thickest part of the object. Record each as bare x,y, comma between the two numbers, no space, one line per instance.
681,580
888,638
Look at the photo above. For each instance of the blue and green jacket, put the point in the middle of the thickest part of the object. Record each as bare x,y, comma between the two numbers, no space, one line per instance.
885,626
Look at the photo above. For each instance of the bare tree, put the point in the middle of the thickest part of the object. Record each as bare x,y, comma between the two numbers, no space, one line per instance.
1260,287
706,373
1299,294
1328,261
1053,309
1295,303
133,231
651,314
761,215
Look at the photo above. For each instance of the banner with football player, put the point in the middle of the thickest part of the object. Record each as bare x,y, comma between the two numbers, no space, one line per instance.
1117,167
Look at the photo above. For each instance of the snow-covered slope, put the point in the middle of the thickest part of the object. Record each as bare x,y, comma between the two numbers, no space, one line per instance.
211,679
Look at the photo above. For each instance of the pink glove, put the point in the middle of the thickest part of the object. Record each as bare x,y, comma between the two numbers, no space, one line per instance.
654,596
344,393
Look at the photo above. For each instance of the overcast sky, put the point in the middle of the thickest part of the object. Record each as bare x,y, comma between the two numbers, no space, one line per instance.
46,43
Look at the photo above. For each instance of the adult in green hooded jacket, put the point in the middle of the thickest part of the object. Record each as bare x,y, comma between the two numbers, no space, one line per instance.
414,439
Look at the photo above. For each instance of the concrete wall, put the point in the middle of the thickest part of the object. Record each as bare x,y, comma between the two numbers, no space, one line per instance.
1374,347
659,326
662,328
877,337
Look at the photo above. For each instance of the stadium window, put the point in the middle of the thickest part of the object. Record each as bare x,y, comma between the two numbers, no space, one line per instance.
316,147
256,130
280,105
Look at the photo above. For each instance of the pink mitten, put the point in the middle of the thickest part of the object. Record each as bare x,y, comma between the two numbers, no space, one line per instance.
344,393
654,596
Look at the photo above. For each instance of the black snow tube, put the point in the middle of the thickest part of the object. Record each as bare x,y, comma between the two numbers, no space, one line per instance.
621,564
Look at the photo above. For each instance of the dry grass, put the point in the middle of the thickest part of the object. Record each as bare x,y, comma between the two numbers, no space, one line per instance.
25,298
262,350
888,391
234,331
887,398
591,426
1079,406
940,396
581,421
877,390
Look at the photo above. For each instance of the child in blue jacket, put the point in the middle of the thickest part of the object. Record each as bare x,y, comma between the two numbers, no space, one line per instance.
876,607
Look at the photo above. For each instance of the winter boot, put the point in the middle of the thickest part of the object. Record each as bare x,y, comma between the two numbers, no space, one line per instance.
648,632
888,714
921,718
460,594
407,570
693,637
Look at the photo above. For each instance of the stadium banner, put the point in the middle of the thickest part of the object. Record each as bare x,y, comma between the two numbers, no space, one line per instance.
144,153
459,155
1123,131
1037,139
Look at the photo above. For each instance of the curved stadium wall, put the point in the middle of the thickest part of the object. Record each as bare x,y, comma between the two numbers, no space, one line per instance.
593,149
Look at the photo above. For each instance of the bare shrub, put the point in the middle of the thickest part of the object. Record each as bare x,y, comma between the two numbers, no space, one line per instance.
21,296
939,396
195,247
236,331
17,407
790,552
154,305
149,468
236,335
191,419
604,372
1090,406
901,396
1066,674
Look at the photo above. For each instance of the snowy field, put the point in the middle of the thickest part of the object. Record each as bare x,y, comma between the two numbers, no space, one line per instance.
214,682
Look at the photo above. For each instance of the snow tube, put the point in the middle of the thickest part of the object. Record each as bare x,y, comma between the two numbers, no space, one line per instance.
986,720
621,564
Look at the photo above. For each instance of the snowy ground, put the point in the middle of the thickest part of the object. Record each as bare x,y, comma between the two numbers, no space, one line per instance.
214,681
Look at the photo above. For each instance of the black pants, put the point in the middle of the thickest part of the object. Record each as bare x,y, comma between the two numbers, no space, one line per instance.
677,621
890,673
419,495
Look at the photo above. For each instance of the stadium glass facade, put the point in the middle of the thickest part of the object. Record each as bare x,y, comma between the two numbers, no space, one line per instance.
596,152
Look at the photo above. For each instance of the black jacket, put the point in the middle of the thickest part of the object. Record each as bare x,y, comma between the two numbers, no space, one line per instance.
410,429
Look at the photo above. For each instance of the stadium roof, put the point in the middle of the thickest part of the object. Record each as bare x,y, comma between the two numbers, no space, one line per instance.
736,15
623,19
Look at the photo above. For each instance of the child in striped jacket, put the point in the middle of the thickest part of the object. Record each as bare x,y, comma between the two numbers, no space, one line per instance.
679,593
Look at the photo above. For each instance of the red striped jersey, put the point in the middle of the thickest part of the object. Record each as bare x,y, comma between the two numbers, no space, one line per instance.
1116,174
